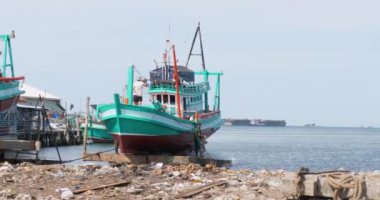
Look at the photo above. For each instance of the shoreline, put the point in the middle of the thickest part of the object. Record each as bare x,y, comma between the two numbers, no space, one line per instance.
156,181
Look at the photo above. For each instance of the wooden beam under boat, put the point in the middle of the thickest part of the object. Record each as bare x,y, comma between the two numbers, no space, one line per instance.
166,159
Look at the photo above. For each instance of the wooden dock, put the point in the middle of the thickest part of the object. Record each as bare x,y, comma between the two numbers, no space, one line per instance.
19,146
53,138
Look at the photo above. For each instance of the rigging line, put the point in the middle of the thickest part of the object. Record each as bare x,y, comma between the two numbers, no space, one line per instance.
139,73
88,155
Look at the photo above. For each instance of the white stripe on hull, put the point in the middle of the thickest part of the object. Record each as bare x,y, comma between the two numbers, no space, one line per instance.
149,116
164,120
139,134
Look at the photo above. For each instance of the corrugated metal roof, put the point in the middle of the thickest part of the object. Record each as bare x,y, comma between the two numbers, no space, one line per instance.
32,92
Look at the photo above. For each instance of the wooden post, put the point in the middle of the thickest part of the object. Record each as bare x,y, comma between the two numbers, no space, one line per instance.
86,126
78,128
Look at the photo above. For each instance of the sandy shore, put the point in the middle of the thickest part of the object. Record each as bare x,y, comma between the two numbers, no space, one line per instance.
149,181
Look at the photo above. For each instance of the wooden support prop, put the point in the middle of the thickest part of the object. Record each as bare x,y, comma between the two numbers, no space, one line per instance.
166,159
86,126
200,189
101,187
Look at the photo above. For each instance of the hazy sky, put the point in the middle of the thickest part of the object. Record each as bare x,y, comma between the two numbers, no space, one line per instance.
303,61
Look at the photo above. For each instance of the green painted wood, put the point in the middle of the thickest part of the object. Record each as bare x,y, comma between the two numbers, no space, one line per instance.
97,131
130,84
5,56
148,125
13,87
116,98
106,107
10,57
205,76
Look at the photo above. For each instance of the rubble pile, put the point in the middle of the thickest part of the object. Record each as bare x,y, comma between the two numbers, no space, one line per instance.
145,181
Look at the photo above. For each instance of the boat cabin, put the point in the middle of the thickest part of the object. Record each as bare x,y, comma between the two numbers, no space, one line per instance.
162,90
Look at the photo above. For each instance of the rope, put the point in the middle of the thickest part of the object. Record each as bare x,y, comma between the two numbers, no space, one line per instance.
341,182
139,73
299,181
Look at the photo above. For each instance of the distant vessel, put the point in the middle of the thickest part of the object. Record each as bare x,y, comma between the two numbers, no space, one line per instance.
265,122
9,88
254,122
237,122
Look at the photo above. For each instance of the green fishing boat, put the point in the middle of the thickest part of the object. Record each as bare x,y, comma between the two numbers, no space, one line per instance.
9,87
179,118
97,131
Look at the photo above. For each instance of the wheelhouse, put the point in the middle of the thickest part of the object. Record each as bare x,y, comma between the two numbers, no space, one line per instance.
163,91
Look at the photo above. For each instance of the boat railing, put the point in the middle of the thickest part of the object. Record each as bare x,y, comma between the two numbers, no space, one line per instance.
162,87
206,115
196,88
187,89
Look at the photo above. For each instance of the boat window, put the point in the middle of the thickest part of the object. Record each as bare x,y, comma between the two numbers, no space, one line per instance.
165,98
158,97
184,103
172,99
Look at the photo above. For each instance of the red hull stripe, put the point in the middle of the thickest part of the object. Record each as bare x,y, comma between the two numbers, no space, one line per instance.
157,144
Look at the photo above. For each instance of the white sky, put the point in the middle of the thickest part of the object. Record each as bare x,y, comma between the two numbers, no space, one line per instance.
303,61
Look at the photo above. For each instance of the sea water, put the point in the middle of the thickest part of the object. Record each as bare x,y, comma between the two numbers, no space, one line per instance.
317,148
289,148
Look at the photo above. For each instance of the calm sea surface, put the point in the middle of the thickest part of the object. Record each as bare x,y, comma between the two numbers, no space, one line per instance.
318,148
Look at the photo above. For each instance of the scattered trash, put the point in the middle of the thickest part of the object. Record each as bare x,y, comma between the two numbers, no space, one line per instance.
153,181
66,193
158,165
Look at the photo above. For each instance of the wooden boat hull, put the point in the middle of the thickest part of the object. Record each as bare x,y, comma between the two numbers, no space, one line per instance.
140,129
7,114
9,96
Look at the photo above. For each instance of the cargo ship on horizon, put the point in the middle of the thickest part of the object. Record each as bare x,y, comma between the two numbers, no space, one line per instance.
253,122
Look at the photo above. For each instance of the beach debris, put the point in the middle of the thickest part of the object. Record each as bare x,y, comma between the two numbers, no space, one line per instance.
144,181
158,165
200,189
23,197
102,186
106,169
66,193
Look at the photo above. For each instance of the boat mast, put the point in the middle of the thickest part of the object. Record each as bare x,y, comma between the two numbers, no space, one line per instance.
7,52
198,31
176,77
205,73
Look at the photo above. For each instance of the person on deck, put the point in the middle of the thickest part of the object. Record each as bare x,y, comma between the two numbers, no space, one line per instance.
138,89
